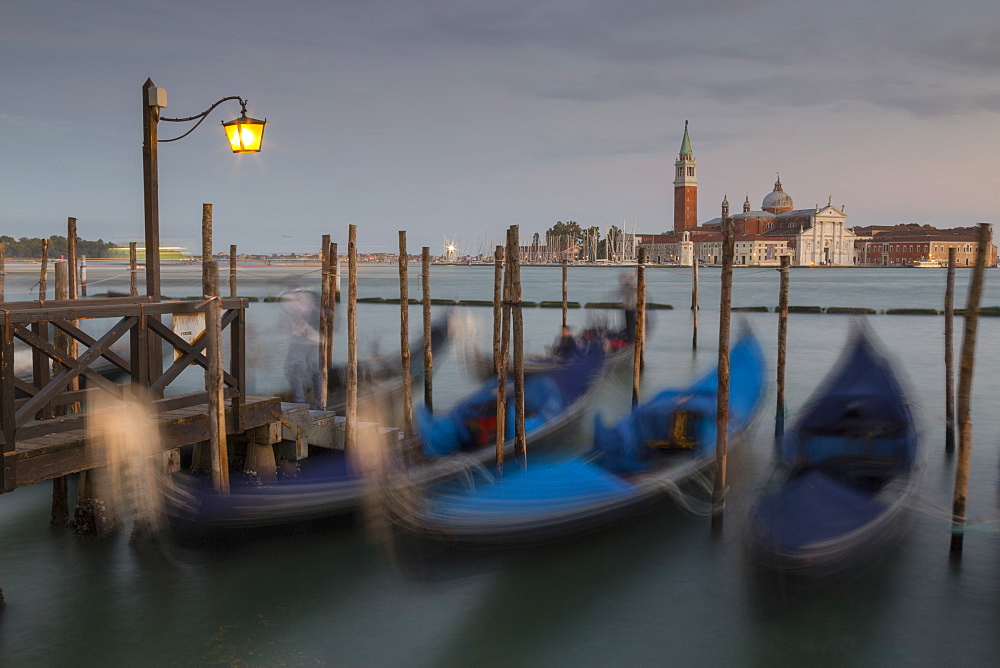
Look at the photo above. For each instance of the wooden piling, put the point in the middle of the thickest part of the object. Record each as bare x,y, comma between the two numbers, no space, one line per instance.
722,403
206,238
640,325
779,409
425,276
964,409
498,256
565,292
214,374
351,424
517,320
404,336
83,275
133,270
504,358
694,302
3,269
232,270
43,278
60,488
71,237
325,328
949,352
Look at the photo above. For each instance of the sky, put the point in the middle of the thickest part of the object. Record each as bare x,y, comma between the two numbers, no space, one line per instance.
454,119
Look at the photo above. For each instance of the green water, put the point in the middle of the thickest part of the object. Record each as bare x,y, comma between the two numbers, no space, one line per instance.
656,591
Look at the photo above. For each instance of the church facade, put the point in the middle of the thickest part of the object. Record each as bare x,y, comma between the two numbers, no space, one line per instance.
811,237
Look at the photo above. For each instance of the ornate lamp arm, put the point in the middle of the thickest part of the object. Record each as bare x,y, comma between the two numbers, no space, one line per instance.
202,116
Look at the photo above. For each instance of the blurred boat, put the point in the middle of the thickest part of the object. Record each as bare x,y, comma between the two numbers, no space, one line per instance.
555,398
333,484
846,472
640,460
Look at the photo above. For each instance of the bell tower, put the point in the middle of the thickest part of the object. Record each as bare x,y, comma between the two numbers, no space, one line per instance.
685,187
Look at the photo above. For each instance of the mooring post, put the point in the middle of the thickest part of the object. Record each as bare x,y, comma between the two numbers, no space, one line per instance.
425,277
966,367
325,328
694,301
949,352
83,275
722,404
60,488
565,292
404,336
206,239
504,358
133,270
351,424
520,441
640,325
498,256
43,278
336,275
3,270
779,409
232,270
214,375
71,259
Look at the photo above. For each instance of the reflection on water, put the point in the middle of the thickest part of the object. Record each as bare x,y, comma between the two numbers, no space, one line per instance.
659,590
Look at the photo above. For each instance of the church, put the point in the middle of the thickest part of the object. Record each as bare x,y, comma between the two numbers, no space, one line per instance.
811,237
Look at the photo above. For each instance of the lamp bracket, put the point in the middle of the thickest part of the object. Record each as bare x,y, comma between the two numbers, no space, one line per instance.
201,117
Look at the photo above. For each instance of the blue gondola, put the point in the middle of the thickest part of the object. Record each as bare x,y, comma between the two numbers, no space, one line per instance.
636,462
846,472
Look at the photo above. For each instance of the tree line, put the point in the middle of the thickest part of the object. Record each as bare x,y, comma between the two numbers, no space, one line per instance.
31,247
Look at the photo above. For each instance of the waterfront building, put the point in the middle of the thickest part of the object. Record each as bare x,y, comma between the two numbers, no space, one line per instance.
903,245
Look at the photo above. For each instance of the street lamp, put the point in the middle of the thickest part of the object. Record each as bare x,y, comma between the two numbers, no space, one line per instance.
245,135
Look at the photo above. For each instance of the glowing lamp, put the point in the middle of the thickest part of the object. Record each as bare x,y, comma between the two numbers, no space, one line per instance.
245,134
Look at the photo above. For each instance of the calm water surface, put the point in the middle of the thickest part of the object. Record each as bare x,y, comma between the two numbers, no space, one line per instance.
657,591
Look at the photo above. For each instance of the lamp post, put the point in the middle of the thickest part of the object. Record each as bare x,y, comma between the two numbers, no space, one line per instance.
245,135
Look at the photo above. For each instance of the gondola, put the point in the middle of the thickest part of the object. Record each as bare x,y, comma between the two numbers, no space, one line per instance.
846,473
630,466
331,484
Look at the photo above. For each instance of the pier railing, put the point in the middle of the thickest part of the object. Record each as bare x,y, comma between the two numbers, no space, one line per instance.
35,406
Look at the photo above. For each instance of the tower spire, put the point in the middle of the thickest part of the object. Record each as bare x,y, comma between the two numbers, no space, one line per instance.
685,187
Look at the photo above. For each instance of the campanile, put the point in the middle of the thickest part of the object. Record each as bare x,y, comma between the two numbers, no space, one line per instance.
685,187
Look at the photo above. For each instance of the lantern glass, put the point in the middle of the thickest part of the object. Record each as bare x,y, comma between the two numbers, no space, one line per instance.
245,134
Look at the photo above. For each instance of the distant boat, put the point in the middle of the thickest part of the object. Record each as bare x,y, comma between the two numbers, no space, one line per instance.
630,466
846,473
924,263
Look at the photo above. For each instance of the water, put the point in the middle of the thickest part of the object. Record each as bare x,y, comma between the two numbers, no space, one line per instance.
658,591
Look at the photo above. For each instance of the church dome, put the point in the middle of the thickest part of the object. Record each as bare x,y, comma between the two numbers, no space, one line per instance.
777,201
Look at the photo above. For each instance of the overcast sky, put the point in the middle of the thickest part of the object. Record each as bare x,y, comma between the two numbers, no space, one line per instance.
455,119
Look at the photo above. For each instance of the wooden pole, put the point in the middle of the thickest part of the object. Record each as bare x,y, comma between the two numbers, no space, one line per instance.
336,275
232,270
504,359
565,292
3,270
151,194
214,375
74,291
520,440
694,301
498,256
779,409
425,276
60,489
351,425
133,270
949,352
43,278
404,336
325,328
722,407
640,325
206,237
967,364
83,275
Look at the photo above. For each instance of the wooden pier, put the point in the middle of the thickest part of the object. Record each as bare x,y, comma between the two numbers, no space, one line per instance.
43,439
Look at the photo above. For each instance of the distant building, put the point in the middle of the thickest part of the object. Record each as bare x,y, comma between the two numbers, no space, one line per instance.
903,245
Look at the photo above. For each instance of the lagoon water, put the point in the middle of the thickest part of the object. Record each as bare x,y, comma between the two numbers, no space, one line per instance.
657,591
